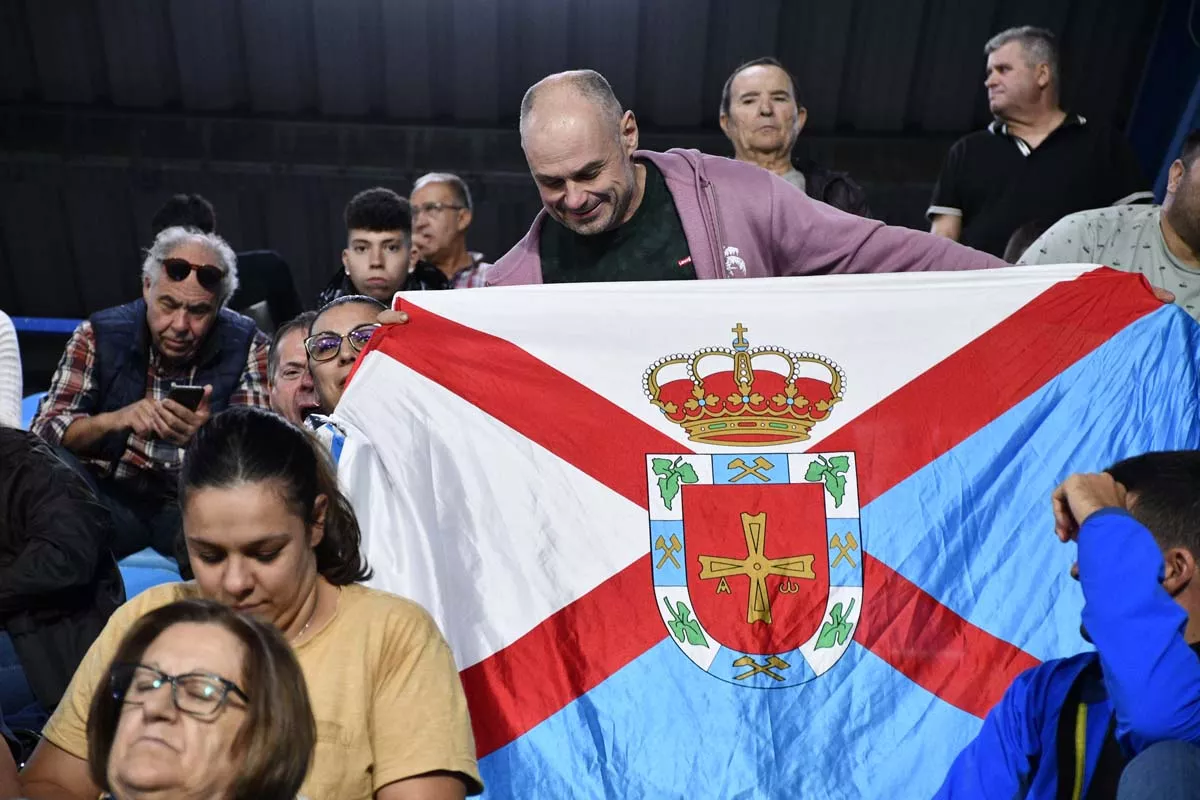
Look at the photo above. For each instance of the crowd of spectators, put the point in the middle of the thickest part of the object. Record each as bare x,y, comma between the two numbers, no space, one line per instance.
177,424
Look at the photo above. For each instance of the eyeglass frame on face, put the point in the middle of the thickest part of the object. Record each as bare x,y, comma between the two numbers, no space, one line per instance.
432,208
342,337
204,272
120,688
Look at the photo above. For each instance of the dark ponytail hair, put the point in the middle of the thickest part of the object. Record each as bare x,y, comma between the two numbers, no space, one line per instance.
250,445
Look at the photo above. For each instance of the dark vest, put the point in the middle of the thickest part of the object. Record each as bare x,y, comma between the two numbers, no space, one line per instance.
123,361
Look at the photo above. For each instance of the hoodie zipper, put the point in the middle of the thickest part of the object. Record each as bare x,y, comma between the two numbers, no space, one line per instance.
714,212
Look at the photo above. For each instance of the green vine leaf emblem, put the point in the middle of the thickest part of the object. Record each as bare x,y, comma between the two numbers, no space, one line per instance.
833,473
838,629
683,626
670,475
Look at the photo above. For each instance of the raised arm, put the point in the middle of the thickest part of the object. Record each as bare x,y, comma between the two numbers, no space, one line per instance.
1151,673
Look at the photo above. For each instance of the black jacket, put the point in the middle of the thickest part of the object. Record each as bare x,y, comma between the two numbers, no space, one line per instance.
59,583
837,189
424,276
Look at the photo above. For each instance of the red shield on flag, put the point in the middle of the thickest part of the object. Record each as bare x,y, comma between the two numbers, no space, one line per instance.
758,563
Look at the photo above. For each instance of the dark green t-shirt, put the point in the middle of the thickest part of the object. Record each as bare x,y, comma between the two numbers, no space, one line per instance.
649,247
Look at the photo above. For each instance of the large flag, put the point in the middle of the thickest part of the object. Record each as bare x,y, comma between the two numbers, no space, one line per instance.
772,538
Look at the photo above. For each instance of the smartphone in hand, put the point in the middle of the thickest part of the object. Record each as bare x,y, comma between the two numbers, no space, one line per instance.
187,396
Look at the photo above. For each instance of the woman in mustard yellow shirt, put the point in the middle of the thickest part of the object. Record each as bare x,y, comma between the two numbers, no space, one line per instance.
269,533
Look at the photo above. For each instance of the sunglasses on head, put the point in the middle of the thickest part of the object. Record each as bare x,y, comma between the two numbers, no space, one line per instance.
177,269
324,346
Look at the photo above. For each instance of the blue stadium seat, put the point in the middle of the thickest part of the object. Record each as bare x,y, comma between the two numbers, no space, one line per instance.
29,407
144,569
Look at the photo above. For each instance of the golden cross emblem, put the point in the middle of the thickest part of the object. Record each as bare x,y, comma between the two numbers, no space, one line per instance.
740,330
757,567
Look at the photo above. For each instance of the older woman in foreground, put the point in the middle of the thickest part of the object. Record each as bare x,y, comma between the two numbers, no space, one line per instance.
201,701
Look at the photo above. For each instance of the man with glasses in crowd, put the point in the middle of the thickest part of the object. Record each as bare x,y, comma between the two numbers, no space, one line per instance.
441,213
115,410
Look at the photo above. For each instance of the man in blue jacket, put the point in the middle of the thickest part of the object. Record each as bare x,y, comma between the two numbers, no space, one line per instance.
112,410
1124,721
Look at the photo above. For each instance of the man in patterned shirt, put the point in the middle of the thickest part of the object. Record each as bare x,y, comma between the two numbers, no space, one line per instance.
441,214
1160,242
108,410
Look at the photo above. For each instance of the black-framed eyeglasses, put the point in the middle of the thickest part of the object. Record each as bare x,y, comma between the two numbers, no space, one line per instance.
200,694
324,346
177,269
434,208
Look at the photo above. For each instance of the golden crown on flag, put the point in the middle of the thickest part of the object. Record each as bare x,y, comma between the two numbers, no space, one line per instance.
744,396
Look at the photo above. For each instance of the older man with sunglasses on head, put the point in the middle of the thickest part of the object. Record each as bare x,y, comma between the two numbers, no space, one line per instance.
115,409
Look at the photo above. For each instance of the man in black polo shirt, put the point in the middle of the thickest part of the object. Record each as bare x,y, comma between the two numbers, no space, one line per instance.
1035,162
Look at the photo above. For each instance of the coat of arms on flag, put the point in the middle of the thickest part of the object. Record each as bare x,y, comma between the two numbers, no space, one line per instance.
757,561
756,557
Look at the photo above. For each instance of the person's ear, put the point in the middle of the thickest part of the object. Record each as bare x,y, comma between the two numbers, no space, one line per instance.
1175,176
346,260
146,283
724,120
1179,569
801,118
629,133
316,531
465,216
1043,76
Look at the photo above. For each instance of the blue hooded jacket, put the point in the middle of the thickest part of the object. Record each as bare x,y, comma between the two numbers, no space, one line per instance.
1151,677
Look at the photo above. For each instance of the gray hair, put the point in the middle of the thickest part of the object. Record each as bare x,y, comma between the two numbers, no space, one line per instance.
456,183
1039,45
172,238
587,83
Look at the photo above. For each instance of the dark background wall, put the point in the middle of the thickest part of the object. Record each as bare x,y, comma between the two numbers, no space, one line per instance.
279,110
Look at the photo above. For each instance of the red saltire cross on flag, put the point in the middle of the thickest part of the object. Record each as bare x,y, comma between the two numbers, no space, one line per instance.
903,625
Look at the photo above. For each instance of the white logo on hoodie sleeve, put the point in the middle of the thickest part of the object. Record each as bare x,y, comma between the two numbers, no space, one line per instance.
735,267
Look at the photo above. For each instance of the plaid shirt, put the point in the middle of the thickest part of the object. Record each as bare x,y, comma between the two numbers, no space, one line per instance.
473,276
73,395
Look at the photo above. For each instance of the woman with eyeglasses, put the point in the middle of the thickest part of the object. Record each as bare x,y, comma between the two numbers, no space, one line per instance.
269,533
201,701
338,333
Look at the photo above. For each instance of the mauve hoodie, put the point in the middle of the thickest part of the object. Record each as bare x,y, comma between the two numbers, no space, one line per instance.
742,221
